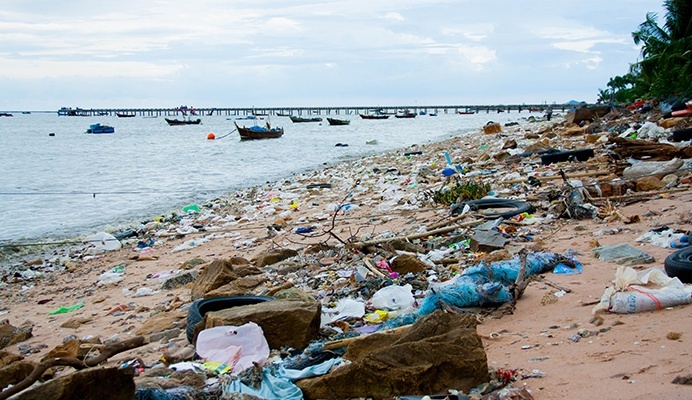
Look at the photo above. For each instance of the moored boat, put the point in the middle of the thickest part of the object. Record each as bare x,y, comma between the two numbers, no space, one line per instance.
336,121
406,114
125,115
258,132
176,121
301,119
375,115
98,128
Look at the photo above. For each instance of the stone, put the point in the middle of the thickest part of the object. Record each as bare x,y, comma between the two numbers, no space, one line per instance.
284,322
573,130
238,287
670,122
15,372
649,183
219,273
438,352
294,293
180,279
623,254
487,241
406,263
492,128
274,256
10,334
88,384
74,323
161,322
69,349
510,144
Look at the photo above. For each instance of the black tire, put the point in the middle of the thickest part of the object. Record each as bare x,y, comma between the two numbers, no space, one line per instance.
579,155
517,207
682,135
679,264
200,307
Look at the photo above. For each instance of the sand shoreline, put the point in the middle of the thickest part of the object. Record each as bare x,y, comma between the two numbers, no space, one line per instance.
633,358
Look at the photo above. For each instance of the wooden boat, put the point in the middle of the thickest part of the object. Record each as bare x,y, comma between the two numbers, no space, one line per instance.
256,132
301,119
6,114
406,114
336,121
98,128
125,115
466,112
176,121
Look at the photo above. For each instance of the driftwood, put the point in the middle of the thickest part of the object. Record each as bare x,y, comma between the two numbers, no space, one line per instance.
632,148
107,352
553,177
419,235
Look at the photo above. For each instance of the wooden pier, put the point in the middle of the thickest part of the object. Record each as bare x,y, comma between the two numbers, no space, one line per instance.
287,111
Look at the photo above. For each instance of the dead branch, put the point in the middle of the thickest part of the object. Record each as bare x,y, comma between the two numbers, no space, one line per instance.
107,352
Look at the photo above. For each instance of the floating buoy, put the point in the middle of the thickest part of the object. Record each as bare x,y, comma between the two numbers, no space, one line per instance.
211,136
51,134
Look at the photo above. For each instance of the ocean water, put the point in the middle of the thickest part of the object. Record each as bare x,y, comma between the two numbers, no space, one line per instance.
72,183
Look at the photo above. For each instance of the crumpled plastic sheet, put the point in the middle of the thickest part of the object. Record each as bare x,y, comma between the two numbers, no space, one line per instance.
177,393
271,388
308,372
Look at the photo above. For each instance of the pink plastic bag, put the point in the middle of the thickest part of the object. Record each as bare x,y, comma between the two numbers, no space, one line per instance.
235,346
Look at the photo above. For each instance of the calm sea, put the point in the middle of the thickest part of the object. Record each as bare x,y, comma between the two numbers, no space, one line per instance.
72,183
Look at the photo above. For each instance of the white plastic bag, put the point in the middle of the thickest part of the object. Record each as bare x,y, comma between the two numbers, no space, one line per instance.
104,241
235,346
647,290
393,298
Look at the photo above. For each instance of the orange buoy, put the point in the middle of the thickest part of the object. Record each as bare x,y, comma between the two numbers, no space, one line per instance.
211,136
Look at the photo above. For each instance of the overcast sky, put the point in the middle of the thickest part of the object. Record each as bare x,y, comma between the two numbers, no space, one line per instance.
262,53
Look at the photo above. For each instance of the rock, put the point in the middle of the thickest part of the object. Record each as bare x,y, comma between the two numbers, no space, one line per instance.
74,323
179,280
219,273
509,144
487,241
648,183
189,264
10,335
670,122
284,322
161,322
68,349
294,294
492,128
573,130
406,263
438,352
176,354
624,254
15,372
670,180
88,384
238,287
165,336
274,256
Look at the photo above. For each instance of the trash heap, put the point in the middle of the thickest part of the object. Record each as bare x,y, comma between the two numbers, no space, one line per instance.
364,279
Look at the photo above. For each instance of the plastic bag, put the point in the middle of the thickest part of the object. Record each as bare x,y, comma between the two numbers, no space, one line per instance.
647,290
104,241
393,298
236,346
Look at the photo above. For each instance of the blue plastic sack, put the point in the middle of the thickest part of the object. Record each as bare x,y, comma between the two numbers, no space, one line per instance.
271,388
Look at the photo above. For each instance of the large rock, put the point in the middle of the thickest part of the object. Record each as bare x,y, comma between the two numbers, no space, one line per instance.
238,287
10,334
13,369
284,322
88,384
406,263
162,321
219,273
274,256
439,352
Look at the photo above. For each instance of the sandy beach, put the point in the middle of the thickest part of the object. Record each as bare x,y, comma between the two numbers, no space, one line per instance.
617,356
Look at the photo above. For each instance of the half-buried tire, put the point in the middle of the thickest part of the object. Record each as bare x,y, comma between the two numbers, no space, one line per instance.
679,264
200,307
515,207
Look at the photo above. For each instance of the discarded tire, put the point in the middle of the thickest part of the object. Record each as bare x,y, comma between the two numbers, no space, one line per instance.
516,207
679,264
200,307
682,135
579,155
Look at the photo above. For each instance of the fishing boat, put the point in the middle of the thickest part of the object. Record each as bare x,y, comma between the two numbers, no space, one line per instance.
301,119
374,114
336,121
125,115
258,132
406,114
173,122
98,128
6,114
466,112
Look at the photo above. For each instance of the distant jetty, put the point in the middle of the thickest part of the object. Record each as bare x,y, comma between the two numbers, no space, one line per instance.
283,111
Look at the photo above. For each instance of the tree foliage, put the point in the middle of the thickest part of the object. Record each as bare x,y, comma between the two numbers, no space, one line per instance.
666,57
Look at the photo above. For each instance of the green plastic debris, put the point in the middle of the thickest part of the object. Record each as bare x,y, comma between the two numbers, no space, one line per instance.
191,208
65,310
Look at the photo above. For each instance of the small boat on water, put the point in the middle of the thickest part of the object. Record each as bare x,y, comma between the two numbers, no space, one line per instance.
336,121
6,114
258,132
374,115
125,115
98,128
174,122
466,112
406,114
301,119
